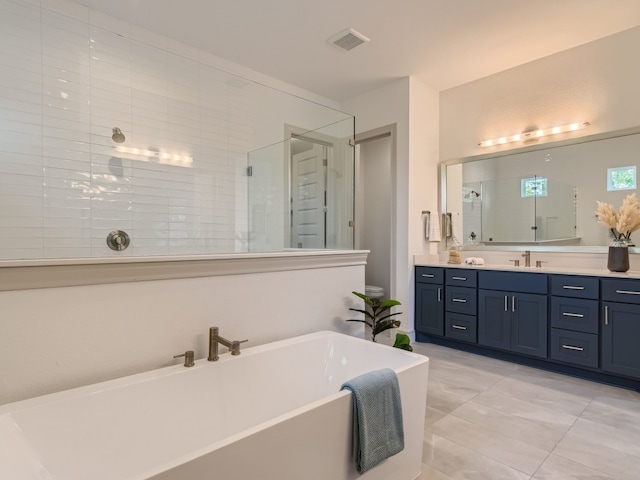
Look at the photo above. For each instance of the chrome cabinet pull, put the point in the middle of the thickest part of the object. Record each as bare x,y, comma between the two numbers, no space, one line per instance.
506,307
513,303
576,315
428,275
606,314
439,294
458,327
571,347
627,292
459,300
571,287
460,278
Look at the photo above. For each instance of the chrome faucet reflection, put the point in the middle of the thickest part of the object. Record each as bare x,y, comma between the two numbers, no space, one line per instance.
215,339
527,258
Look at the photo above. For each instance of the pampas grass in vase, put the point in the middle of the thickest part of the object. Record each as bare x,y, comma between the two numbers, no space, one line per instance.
622,224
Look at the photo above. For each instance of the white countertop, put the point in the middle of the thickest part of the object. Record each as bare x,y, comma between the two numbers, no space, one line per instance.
598,272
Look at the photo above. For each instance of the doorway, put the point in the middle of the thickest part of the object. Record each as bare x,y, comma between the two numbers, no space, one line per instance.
320,180
309,162
375,205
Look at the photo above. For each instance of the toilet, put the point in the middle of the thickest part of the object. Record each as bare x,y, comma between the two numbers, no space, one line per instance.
373,291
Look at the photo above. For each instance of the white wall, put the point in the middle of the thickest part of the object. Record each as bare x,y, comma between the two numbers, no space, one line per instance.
595,82
58,338
413,108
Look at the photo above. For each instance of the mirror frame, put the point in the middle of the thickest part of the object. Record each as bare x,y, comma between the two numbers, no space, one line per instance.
442,189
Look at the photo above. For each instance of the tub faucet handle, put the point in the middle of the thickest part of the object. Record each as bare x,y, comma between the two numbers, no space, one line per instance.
235,346
188,358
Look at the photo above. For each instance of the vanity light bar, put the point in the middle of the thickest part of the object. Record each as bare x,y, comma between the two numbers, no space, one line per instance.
533,135
163,157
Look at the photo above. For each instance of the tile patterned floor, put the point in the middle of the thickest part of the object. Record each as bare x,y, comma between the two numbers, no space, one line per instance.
493,420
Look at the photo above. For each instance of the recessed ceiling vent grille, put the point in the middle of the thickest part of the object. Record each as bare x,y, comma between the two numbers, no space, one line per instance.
348,39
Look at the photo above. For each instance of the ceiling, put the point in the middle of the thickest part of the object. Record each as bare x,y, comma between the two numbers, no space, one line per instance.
444,43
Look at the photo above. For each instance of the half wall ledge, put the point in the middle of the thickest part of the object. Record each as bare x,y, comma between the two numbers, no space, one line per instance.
32,274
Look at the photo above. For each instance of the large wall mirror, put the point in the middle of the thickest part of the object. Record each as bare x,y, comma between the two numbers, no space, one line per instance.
541,196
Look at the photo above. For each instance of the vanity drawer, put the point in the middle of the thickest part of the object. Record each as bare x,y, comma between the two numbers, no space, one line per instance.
461,277
461,300
620,290
574,314
513,281
461,327
430,275
574,347
575,286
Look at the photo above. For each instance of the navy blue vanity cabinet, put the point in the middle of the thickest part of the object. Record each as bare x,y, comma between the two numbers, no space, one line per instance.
512,312
574,320
429,300
460,320
620,327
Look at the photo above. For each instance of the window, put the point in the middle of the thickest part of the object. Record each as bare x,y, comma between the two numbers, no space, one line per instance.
533,187
621,178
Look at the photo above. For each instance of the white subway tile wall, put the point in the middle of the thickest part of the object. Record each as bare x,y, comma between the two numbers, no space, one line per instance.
69,76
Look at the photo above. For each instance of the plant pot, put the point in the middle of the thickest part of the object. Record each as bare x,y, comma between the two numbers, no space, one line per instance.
618,258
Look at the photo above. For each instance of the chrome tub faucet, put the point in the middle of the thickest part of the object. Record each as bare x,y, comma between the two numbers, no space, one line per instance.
215,339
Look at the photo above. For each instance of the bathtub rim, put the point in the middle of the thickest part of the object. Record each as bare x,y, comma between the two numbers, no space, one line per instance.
141,377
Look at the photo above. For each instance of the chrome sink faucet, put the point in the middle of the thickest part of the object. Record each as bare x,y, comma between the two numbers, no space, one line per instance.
527,258
215,339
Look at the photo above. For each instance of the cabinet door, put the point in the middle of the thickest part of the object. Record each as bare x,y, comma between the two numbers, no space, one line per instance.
620,334
529,324
430,308
494,313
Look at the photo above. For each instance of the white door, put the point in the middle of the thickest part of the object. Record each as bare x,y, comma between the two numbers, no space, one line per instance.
308,197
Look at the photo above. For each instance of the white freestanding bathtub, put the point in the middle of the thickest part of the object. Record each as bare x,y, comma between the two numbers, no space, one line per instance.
274,412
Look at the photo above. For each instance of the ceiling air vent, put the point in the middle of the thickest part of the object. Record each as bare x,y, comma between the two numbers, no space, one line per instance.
348,39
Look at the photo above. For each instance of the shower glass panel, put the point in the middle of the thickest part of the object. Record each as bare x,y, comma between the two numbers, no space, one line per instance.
101,132
301,191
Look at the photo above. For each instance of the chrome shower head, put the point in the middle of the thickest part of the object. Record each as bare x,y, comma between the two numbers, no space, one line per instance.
117,136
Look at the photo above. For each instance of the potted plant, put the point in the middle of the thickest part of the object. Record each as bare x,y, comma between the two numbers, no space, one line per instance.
378,316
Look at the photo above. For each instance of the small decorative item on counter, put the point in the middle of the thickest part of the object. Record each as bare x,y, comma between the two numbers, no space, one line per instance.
622,224
455,254
618,257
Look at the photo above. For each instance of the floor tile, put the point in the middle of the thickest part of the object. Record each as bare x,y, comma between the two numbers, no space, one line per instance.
429,473
619,439
508,451
489,419
550,417
610,461
545,396
460,463
498,423
558,468
613,416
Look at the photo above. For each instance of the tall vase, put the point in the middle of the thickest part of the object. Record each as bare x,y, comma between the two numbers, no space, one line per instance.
618,259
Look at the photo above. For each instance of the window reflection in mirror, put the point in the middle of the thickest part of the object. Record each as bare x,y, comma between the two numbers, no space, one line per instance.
541,195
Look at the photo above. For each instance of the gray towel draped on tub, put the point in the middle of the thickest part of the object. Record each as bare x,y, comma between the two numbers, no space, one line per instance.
377,417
